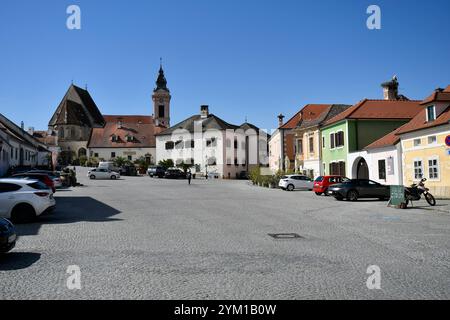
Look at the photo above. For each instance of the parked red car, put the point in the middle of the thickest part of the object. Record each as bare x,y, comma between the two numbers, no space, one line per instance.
37,176
322,183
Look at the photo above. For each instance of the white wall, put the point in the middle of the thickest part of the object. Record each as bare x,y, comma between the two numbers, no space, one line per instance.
275,151
224,153
135,153
372,156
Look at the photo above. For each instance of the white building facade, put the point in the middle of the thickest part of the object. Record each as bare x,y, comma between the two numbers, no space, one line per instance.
212,146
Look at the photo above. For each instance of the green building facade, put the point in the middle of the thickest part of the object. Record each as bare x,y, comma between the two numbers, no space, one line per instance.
350,135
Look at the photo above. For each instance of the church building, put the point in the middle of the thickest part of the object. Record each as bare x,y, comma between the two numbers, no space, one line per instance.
81,130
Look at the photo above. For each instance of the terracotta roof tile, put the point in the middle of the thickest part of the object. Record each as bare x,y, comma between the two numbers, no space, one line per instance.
292,122
141,128
442,95
419,121
307,113
379,109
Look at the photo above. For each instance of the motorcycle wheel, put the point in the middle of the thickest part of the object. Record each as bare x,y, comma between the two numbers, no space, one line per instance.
430,199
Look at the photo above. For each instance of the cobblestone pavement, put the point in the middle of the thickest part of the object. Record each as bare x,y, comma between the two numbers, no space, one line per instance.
142,238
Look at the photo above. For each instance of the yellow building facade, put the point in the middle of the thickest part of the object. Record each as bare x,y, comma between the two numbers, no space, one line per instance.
425,143
425,155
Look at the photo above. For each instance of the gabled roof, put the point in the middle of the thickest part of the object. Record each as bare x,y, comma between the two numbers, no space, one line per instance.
78,111
419,122
292,122
141,128
17,133
379,109
90,105
319,114
439,95
72,113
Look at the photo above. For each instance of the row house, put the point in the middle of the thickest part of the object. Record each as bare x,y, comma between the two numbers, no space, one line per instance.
346,136
425,143
308,143
212,145
18,148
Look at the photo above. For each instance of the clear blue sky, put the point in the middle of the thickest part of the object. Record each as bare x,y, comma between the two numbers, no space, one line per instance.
253,58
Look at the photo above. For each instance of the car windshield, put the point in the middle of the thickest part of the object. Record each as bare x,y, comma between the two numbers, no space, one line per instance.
319,179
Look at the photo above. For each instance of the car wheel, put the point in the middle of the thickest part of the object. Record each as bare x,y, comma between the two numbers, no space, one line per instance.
290,187
325,192
92,177
339,198
23,213
113,177
319,193
352,195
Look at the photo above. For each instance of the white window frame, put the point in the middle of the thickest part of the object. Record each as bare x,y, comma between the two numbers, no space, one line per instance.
434,112
421,168
438,168
435,139
414,142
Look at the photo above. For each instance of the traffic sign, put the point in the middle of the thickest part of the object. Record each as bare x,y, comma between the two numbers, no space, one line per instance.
447,141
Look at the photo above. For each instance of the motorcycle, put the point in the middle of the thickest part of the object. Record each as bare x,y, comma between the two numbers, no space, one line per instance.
414,193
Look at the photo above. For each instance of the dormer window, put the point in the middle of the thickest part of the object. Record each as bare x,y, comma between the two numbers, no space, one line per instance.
130,138
431,113
114,138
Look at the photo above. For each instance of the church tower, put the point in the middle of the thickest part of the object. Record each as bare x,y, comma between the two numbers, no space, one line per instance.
161,101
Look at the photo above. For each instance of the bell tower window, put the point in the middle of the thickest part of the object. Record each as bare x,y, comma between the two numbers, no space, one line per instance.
161,110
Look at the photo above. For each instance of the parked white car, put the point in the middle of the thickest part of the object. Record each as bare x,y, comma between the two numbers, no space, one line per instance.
100,173
24,200
296,181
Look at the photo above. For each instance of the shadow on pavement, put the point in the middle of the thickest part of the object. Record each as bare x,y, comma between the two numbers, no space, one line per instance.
71,210
18,260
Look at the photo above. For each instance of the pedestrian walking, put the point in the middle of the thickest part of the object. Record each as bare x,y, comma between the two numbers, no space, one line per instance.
189,176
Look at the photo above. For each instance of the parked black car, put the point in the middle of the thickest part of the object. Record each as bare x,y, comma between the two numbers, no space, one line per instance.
8,236
353,189
175,174
156,171
129,171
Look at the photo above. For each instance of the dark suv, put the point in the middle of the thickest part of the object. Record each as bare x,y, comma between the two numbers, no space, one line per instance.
156,171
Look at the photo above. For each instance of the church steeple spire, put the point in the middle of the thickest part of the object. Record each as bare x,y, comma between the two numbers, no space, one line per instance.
161,82
161,100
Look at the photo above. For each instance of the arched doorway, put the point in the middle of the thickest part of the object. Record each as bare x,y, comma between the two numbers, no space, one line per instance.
362,169
82,152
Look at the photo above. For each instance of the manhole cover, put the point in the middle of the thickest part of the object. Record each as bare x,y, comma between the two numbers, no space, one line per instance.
285,236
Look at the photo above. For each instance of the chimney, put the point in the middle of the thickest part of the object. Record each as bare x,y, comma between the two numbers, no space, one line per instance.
22,126
30,131
390,89
204,111
119,124
280,120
